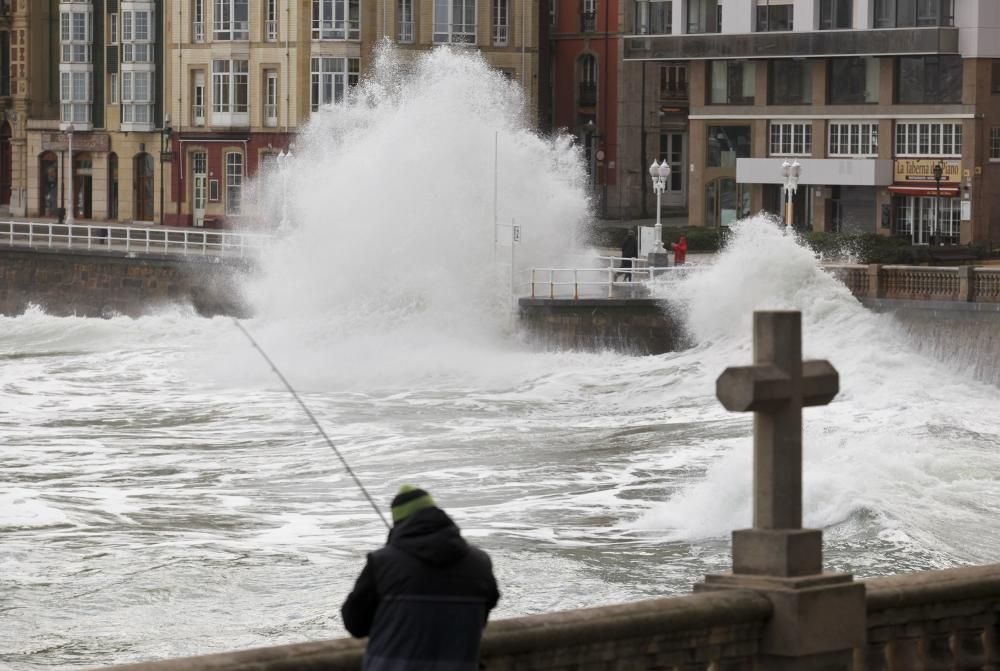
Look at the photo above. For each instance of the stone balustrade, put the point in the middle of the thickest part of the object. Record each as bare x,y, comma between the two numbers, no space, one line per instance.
937,620
947,620
921,283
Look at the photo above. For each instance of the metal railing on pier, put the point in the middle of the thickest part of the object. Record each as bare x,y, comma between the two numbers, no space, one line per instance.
133,239
601,281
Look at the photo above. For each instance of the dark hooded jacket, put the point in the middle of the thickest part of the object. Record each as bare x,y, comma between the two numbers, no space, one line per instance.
423,599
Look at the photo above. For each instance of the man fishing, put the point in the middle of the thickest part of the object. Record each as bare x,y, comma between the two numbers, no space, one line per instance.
424,598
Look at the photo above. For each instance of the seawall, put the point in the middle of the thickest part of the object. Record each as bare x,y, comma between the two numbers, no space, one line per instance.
631,325
102,284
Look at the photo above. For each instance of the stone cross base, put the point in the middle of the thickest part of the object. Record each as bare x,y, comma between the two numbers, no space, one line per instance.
784,553
817,621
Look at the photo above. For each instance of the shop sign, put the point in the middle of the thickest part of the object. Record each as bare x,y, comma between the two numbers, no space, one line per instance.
58,141
921,171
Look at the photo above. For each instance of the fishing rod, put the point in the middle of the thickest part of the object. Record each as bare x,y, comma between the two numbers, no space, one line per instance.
319,428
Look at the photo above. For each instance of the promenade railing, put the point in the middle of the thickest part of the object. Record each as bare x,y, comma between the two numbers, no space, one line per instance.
133,239
599,280
920,283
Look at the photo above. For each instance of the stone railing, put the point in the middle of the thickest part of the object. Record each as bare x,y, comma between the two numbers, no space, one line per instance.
934,620
698,632
947,620
921,283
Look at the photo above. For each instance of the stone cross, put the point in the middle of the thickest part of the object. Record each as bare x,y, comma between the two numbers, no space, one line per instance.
775,389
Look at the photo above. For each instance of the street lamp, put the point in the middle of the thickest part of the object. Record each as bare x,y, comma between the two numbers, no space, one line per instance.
164,139
659,172
938,174
70,220
284,161
790,171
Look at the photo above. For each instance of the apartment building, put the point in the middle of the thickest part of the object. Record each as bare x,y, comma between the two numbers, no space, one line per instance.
102,69
890,106
582,71
157,111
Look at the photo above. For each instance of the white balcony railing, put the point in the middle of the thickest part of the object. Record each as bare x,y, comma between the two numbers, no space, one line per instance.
197,31
198,115
270,115
406,32
500,36
271,31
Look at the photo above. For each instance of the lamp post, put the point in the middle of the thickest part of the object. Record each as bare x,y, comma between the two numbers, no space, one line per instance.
71,204
790,171
938,174
164,139
284,158
659,172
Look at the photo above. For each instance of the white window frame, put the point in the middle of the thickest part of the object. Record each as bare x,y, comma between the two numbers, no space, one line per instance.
76,33
331,19
271,93
113,88
227,27
198,97
790,138
500,13
995,144
234,167
331,78
138,89
76,96
940,139
452,29
113,28
229,78
855,139
407,24
198,21
271,21
137,46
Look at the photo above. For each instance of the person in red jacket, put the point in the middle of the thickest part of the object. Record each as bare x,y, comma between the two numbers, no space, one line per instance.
680,250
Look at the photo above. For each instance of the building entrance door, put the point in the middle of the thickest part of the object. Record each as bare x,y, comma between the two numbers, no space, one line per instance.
673,149
142,188
83,182
199,186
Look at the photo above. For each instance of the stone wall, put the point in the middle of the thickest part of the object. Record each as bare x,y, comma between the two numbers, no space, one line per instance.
631,325
96,284
932,620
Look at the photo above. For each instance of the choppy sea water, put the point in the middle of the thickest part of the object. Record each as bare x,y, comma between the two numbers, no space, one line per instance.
163,495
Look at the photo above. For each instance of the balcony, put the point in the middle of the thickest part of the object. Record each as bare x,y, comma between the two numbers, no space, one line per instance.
271,30
270,115
588,22
500,36
197,31
674,91
406,32
911,41
588,94
197,115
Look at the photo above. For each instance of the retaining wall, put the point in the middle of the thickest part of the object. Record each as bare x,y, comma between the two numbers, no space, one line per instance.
96,284
631,325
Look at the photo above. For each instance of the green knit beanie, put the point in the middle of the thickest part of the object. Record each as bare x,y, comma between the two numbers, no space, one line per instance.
408,500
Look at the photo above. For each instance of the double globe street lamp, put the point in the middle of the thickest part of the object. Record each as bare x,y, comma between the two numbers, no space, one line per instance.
660,172
790,171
